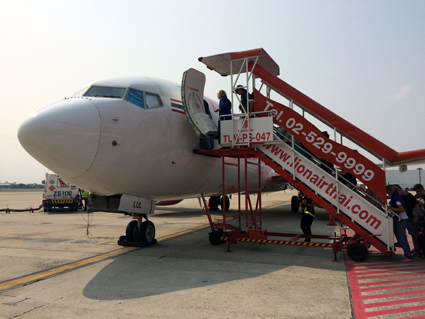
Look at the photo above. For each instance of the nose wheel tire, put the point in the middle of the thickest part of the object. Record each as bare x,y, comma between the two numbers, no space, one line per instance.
144,235
131,231
147,233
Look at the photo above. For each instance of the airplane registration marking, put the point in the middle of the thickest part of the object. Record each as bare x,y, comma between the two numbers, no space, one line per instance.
303,133
81,263
333,153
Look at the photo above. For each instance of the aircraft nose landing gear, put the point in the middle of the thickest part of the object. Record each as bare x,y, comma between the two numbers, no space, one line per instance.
139,233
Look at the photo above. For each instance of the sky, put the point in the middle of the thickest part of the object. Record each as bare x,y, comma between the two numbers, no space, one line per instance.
363,60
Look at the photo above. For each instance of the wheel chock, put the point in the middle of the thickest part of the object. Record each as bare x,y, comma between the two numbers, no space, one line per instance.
122,241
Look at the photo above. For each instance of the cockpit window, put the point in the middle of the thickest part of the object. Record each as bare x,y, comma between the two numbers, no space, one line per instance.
135,97
77,94
105,91
153,100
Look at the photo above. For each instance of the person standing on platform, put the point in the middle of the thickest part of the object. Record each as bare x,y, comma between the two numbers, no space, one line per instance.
307,218
398,206
246,99
224,108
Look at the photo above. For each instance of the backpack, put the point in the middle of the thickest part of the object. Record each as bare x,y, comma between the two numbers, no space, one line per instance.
410,202
421,209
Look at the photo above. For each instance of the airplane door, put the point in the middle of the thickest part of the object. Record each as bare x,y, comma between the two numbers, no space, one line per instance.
193,84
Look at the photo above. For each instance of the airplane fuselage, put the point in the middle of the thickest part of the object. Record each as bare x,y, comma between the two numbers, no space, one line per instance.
126,136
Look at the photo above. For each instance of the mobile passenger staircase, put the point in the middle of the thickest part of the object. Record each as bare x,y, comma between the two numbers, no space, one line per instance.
281,136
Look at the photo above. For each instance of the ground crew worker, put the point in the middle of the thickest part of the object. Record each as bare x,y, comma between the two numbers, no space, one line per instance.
307,207
84,196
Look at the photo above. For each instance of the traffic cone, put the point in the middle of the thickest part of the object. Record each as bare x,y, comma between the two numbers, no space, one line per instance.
331,220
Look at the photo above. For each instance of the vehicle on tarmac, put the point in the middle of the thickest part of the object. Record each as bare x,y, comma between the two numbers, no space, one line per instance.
60,193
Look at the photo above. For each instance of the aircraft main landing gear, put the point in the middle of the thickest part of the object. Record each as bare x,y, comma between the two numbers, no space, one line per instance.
139,233
216,201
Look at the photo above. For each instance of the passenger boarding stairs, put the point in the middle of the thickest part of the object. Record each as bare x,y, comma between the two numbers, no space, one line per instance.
300,153
365,215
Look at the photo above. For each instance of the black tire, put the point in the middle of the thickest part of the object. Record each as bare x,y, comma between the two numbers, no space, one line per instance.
215,238
295,204
357,252
147,233
131,232
213,202
226,202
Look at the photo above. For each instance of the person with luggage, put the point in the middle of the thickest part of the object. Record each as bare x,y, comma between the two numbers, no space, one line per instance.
412,211
398,206
420,196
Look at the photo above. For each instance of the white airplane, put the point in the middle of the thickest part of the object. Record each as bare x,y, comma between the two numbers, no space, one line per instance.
128,142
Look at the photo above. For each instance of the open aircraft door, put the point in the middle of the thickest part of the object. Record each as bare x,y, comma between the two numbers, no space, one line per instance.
193,84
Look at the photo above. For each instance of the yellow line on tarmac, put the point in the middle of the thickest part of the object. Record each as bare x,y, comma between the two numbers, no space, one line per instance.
54,271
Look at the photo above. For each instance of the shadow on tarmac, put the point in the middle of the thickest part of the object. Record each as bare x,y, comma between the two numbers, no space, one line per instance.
190,261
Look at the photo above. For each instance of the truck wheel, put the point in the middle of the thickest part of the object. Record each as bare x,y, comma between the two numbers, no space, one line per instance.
295,204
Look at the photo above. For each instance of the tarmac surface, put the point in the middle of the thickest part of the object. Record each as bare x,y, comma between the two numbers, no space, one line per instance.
67,265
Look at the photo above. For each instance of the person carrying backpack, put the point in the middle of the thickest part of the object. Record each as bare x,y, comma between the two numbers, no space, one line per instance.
420,196
398,206
412,211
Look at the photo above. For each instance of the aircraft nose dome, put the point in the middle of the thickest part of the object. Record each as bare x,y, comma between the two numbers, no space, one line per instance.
64,136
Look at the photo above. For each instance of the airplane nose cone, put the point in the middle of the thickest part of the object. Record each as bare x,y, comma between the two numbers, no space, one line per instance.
64,136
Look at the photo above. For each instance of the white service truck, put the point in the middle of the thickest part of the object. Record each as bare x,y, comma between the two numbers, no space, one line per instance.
60,193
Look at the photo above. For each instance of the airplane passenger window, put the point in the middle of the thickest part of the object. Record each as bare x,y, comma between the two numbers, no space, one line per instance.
153,100
105,91
135,97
